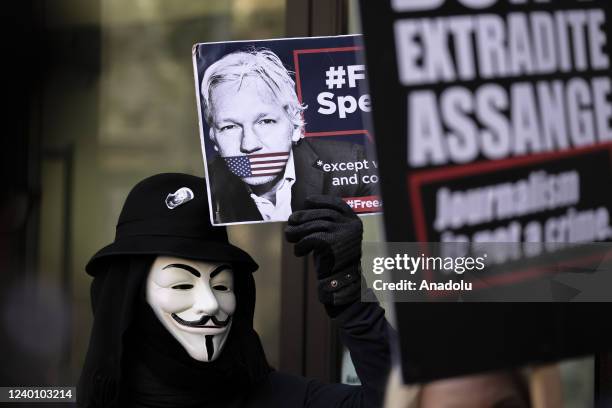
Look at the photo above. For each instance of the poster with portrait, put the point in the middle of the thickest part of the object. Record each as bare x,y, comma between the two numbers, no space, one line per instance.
281,120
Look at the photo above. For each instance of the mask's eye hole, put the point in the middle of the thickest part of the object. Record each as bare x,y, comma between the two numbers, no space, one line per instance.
183,286
221,288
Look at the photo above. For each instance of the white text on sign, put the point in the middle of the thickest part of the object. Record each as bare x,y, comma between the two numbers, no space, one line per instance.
337,78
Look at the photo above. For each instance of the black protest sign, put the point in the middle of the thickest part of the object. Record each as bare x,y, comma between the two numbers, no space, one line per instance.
493,124
520,84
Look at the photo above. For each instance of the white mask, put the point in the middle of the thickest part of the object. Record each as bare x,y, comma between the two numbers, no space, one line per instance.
195,301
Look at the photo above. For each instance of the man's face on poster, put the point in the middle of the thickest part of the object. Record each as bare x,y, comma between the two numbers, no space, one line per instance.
248,119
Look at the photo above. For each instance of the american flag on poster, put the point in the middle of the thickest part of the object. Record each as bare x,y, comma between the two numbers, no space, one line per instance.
257,164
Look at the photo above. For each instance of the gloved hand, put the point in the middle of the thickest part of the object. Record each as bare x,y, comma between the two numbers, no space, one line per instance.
330,228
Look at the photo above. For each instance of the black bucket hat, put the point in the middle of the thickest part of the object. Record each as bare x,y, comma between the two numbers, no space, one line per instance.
167,214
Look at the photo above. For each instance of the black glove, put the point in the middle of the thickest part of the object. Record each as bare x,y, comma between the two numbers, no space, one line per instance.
330,228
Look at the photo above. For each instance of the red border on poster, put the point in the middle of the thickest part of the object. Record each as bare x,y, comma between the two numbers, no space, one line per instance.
298,83
417,180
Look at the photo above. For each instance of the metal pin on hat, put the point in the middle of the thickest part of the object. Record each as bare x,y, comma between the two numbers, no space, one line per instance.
180,197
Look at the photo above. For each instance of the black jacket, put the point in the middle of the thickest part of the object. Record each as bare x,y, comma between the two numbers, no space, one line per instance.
231,197
364,331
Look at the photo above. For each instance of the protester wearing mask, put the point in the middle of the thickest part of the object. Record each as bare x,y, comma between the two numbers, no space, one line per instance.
173,306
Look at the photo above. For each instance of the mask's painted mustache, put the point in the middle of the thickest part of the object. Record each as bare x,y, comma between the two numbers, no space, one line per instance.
203,320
